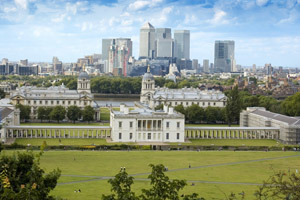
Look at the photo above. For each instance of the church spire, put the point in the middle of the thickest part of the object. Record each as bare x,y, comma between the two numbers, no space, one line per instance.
148,69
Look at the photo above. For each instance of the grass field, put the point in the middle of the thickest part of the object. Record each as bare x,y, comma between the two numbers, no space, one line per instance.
234,142
214,173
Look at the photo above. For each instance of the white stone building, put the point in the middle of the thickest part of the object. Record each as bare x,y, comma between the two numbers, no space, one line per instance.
9,115
145,125
56,95
154,96
260,117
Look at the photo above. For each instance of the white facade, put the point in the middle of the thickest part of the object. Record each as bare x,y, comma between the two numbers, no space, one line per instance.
186,96
145,125
36,97
260,117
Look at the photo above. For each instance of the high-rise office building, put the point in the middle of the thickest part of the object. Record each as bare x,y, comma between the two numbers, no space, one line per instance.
224,55
24,62
254,68
163,43
119,53
206,66
57,65
195,64
147,41
105,48
182,44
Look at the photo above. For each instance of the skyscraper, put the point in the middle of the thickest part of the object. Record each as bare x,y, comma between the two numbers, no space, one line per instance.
118,56
105,48
163,43
206,66
224,55
147,41
182,44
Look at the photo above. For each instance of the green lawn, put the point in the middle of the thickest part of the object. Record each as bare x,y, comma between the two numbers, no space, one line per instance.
234,142
108,163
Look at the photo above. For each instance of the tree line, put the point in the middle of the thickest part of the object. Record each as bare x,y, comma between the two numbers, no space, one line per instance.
58,113
236,102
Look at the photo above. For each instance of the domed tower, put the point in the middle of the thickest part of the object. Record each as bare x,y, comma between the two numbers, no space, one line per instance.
83,83
148,87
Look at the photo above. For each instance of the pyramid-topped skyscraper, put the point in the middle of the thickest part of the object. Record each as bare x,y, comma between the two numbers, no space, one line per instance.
147,41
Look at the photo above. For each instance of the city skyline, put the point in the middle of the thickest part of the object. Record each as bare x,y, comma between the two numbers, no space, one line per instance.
264,31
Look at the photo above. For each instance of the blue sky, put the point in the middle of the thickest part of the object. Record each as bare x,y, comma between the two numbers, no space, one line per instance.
265,31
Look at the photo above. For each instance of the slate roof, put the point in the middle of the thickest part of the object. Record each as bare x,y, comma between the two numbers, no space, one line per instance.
278,117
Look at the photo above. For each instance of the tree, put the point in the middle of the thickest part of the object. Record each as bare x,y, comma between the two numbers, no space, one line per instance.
2,94
58,113
162,188
48,111
194,113
72,84
74,113
24,111
121,186
233,106
41,111
211,114
281,185
159,107
88,114
291,105
22,178
180,108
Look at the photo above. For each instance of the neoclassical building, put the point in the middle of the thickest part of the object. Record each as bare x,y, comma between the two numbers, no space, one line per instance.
260,117
56,95
154,96
146,125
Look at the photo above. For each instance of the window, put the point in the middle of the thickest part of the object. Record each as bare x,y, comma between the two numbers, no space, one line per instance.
208,103
167,136
57,102
40,102
130,124
63,102
214,103
178,136
168,124
46,102
28,102
34,102
187,103
74,102
130,136
203,104
149,136
69,102
120,136
120,124
51,102
176,103
178,124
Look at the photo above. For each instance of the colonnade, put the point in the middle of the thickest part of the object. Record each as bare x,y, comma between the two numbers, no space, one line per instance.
232,133
57,132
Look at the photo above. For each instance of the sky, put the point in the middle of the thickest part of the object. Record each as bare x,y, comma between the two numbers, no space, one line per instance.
264,31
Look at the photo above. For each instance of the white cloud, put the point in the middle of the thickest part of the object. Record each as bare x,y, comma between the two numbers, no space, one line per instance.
261,2
9,9
219,18
60,18
21,3
141,4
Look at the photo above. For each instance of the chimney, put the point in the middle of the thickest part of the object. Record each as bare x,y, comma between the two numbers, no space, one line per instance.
171,110
126,110
165,108
122,106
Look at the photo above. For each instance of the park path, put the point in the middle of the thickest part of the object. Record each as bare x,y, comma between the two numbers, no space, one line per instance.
95,178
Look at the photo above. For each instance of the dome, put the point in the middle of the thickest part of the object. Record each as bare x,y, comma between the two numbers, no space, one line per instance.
147,76
83,75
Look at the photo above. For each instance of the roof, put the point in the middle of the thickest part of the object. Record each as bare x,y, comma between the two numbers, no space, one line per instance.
278,117
147,25
188,94
83,75
4,112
